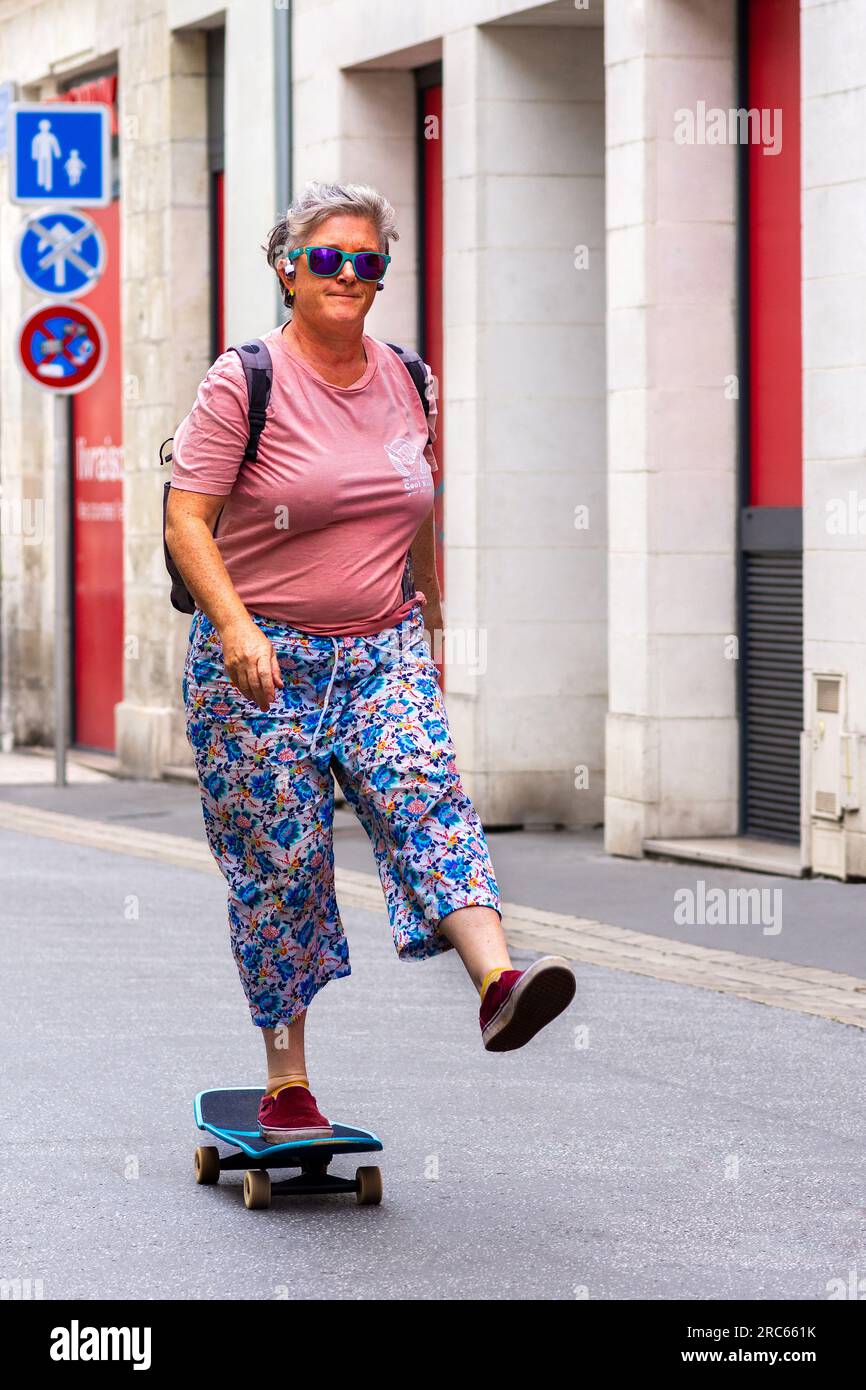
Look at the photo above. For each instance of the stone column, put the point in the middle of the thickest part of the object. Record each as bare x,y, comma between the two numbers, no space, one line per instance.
523,115
250,169
672,738
833,77
166,319
27,517
358,126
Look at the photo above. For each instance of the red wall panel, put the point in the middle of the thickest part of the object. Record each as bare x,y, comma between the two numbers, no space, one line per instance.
431,276
432,349
97,516
218,214
774,352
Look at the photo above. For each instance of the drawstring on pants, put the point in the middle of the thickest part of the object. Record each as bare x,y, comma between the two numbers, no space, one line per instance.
327,694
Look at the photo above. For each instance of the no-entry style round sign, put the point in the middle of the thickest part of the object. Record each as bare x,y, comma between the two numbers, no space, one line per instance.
62,347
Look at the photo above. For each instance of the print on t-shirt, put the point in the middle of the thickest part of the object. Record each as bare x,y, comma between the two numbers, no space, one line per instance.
409,460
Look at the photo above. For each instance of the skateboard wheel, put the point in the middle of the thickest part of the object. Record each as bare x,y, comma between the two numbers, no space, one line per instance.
207,1164
369,1190
257,1189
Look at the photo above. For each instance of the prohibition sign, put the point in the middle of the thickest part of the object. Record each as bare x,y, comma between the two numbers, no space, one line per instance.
62,347
60,252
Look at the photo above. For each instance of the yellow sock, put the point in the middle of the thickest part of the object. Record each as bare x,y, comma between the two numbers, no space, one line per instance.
490,977
284,1082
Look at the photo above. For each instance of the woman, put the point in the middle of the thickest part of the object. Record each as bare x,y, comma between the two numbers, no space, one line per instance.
306,654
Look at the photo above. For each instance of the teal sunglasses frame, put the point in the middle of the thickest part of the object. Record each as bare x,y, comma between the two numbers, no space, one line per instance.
346,255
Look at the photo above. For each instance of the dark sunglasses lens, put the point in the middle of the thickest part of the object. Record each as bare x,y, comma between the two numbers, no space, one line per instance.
370,266
324,260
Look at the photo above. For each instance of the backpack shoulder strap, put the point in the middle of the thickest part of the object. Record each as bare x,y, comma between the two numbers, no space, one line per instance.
414,364
259,372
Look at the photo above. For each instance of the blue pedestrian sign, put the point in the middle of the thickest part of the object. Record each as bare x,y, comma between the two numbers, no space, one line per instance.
60,252
60,152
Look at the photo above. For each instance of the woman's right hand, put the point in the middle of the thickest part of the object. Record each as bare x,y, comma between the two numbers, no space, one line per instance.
251,662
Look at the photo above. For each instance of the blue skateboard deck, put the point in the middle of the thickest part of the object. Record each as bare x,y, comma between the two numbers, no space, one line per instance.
231,1115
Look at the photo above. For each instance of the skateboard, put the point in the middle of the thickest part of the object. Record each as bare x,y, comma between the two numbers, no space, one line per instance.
231,1115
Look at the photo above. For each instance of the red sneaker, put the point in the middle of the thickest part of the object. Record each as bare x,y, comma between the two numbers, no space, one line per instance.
292,1114
521,1002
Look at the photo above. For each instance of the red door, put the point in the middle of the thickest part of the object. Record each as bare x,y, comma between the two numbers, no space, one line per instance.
431,281
219,344
97,516
775,334
771,526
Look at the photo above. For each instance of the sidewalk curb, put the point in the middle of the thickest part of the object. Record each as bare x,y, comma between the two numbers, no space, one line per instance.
802,989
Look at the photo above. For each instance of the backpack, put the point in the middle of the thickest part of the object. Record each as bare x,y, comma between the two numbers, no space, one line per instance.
259,372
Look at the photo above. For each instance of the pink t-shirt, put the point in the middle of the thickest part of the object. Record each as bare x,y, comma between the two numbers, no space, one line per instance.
315,532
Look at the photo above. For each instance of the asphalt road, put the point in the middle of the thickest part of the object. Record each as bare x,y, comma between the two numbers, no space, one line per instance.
657,1141
815,922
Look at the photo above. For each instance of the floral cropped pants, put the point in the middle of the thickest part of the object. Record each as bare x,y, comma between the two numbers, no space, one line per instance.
371,708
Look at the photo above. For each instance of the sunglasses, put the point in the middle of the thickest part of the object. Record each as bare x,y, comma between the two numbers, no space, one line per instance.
327,261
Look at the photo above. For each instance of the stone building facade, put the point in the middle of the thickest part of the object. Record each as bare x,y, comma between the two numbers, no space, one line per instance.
595,338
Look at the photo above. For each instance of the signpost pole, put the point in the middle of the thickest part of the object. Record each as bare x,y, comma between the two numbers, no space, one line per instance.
61,586
60,160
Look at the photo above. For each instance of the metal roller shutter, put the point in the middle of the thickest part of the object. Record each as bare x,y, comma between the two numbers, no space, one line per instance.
773,693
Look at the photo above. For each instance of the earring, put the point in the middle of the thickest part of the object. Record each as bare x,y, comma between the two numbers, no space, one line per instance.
381,285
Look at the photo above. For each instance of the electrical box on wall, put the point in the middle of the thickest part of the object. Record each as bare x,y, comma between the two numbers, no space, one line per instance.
834,779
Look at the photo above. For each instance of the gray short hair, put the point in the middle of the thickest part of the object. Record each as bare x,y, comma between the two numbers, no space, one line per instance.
320,201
